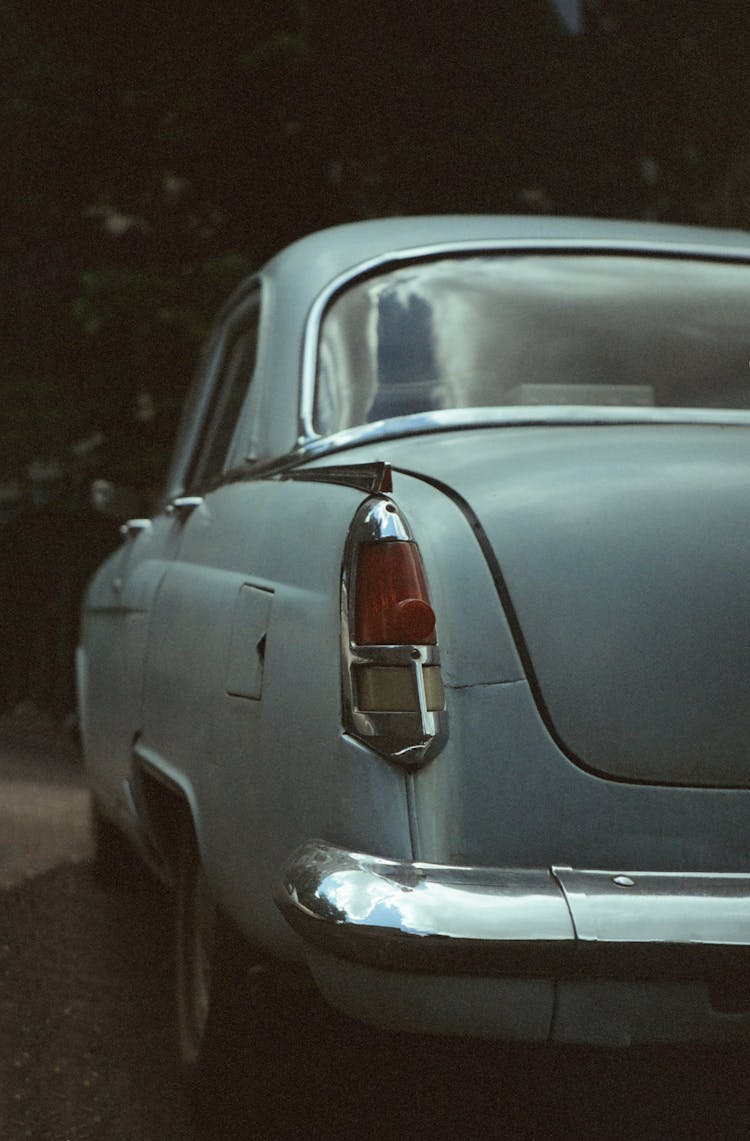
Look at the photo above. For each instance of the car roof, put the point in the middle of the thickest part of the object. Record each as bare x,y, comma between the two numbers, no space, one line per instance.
319,258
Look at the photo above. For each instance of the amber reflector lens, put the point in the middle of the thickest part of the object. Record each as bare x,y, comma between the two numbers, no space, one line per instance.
391,604
392,689
386,689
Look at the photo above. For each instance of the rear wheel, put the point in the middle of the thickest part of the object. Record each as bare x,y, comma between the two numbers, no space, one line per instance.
214,969
245,1028
196,923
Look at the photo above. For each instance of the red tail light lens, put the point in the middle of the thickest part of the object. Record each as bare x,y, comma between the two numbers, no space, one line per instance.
391,601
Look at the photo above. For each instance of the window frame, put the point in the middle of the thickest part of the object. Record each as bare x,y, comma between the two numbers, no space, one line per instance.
226,372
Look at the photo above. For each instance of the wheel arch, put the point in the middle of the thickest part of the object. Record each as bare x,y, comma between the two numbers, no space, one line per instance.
168,807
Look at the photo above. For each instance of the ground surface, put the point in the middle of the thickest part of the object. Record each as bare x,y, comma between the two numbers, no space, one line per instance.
86,1014
85,990
43,804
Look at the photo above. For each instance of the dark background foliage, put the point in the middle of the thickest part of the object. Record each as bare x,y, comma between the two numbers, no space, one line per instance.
154,153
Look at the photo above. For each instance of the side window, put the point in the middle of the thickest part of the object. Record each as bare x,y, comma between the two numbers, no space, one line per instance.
231,388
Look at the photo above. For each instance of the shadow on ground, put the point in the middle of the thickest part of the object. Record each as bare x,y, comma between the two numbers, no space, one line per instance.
86,1025
86,1035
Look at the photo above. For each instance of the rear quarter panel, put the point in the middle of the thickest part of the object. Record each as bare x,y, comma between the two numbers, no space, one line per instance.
270,771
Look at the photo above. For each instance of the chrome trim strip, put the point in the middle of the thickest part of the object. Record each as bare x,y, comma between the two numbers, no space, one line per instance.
554,923
374,478
474,419
505,416
654,248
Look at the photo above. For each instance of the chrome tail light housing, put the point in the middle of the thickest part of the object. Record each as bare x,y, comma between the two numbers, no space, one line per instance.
393,698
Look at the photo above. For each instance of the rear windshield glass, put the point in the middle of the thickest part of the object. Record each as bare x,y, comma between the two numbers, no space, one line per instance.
550,329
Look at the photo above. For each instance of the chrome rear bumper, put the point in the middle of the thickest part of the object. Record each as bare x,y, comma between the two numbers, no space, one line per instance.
552,923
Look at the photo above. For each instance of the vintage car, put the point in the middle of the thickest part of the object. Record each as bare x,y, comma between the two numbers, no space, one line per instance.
429,677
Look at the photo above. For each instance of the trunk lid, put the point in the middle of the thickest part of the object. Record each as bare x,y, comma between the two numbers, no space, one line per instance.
624,552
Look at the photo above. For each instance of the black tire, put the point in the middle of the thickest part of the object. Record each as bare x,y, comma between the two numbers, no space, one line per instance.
117,865
195,933
213,967
244,1029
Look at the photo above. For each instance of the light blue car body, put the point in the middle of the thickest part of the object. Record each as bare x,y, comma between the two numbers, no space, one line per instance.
569,859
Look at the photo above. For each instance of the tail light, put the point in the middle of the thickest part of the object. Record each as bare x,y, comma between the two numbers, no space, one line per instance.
391,603
393,691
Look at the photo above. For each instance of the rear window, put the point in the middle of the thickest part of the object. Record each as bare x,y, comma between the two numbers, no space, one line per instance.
535,330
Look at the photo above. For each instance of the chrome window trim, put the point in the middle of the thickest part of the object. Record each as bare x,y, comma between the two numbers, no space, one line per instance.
411,739
203,385
311,335
290,464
